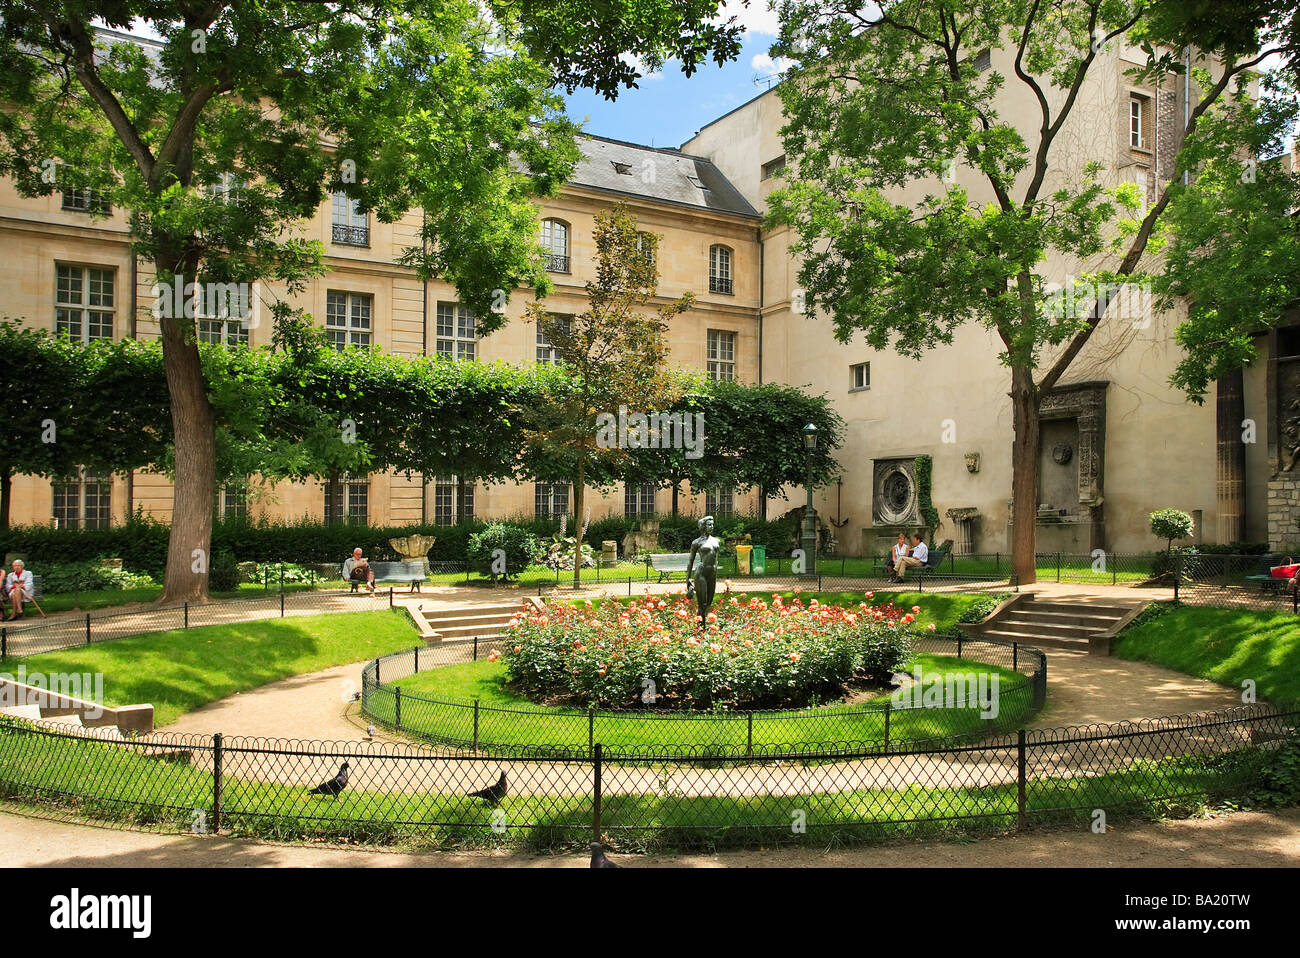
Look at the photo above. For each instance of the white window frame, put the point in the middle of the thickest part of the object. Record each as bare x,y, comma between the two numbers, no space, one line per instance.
1137,125
859,383
720,355
720,270
232,500
353,497
84,201
74,492
455,332
348,225
720,503
639,500
546,354
555,240
446,508
545,494
88,308
357,326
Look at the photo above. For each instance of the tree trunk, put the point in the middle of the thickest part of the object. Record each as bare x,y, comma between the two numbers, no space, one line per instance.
6,490
1024,474
194,481
578,530
676,488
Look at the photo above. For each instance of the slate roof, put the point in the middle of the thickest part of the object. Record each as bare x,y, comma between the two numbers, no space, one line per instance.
678,178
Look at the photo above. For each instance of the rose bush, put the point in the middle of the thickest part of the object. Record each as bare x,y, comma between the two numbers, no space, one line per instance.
750,654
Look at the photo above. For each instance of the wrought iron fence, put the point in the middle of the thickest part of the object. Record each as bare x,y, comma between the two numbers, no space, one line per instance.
1232,582
396,793
92,628
766,734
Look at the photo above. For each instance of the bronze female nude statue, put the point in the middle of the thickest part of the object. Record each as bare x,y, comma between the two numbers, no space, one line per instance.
702,580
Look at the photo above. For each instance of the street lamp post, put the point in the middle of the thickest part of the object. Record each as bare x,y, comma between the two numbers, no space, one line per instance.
809,538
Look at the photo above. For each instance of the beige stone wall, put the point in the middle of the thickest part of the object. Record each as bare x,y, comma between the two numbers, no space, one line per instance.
37,234
1160,448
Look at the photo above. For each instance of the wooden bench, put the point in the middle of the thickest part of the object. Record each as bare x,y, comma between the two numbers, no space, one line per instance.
404,572
668,563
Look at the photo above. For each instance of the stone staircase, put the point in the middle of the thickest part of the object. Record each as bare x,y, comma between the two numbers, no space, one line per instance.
484,621
1084,625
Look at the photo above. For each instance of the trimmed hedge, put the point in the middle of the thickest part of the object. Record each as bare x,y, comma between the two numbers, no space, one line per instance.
141,542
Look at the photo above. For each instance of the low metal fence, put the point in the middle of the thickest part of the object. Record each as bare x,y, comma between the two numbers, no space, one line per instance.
395,793
484,728
93,628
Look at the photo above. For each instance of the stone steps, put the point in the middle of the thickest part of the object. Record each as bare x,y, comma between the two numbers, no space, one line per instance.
1082,626
483,621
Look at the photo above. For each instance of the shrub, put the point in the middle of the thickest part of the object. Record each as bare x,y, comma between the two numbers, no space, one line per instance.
751,655
1171,524
87,577
223,572
519,546
610,527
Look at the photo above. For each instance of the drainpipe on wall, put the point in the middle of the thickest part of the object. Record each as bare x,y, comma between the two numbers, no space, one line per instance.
424,351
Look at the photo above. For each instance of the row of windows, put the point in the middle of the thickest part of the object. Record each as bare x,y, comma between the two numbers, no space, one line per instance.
555,241
84,300
87,504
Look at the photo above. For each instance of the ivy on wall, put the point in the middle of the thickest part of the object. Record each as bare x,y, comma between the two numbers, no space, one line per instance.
929,514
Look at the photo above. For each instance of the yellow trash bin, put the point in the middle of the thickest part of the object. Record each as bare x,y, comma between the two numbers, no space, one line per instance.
742,558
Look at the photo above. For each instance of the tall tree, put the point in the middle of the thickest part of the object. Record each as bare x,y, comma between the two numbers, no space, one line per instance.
399,103
883,96
615,354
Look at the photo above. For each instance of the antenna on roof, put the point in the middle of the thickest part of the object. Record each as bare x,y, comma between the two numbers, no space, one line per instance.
766,79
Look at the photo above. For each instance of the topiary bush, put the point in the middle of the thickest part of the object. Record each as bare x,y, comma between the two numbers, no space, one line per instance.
1171,524
519,546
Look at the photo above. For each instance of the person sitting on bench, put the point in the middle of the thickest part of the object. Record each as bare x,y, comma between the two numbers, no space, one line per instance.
18,586
361,571
898,552
920,554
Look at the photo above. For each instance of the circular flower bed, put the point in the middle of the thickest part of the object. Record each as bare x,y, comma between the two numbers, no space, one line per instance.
752,654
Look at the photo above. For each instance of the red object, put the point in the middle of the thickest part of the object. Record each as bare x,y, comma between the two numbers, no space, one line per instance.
1284,571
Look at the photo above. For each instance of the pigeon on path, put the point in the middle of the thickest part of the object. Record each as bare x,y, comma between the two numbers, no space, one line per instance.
598,859
493,793
334,785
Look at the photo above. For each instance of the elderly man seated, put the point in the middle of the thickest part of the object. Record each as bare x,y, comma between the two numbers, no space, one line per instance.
18,587
357,570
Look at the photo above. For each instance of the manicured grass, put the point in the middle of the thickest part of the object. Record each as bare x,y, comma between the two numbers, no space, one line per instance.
1223,645
506,719
119,784
108,598
180,670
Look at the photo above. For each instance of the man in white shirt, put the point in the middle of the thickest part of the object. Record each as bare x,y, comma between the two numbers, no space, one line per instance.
917,559
18,586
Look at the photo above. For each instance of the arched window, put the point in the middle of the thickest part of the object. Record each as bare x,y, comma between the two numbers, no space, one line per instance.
555,240
719,270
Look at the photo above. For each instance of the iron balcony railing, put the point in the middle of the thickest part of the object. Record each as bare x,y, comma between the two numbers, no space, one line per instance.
351,235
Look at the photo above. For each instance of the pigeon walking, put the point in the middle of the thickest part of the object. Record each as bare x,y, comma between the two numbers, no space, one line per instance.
493,793
598,859
334,785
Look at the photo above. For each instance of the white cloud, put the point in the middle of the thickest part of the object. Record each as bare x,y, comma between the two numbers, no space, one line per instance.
755,18
766,64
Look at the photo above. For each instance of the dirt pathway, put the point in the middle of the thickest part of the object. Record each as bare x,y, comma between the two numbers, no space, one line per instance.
1243,839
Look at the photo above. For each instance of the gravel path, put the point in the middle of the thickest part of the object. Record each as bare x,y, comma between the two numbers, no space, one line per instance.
1244,839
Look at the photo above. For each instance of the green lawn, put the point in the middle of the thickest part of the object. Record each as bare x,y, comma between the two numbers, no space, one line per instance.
1223,645
108,598
180,670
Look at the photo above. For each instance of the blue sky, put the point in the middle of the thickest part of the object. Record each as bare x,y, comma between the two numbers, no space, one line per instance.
667,108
